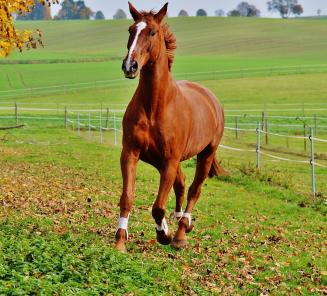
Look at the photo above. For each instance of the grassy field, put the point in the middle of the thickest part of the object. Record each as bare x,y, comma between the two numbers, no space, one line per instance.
256,232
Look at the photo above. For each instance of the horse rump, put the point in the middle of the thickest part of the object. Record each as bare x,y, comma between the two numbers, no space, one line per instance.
217,170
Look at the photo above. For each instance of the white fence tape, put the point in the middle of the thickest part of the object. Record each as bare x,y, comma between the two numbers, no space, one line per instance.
319,140
320,165
284,136
236,149
284,159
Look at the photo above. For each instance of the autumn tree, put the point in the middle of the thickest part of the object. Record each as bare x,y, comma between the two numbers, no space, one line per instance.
10,37
39,12
74,10
285,7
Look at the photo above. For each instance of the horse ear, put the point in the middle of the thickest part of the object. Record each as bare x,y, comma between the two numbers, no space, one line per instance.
134,12
162,13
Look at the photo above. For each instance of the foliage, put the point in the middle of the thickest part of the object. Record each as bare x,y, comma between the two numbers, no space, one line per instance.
99,15
245,9
248,10
74,10
201,12
39,12
120,14
234,12
285,7
319,11
183,12
10,37
219,12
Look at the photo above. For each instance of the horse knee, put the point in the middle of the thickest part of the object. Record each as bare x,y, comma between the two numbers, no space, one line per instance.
158,214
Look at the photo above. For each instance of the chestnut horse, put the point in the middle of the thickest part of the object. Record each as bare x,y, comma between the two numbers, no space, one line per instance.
166,122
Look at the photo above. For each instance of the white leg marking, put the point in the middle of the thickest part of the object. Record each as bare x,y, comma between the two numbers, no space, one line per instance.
140,27
123,224
163,226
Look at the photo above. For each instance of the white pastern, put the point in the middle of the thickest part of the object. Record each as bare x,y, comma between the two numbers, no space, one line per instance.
123,224
163,226
140,27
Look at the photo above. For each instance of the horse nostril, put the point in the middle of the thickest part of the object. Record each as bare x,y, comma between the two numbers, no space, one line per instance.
134,66
123,67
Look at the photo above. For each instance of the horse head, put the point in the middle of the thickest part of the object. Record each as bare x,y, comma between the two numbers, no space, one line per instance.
146,40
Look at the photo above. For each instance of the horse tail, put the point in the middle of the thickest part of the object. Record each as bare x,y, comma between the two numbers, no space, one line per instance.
217,170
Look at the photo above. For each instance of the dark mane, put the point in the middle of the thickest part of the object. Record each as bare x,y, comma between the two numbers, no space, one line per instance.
170,40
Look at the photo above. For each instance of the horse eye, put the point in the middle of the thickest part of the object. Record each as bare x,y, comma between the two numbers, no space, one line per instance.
152,33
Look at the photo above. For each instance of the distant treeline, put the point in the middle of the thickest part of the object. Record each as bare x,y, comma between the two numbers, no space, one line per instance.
71,10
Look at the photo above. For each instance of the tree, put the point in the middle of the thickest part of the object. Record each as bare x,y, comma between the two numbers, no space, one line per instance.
71,10
248,10
297,9
183,13
319,11
99,15
10,36
219,12
39,12
285,7
120,14
234,12
201,12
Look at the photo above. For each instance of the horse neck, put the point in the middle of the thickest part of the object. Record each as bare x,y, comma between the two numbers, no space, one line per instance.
154,85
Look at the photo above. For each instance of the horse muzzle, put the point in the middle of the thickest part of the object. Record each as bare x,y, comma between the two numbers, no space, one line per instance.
130,69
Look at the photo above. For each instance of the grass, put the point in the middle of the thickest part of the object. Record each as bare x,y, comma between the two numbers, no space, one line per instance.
58,238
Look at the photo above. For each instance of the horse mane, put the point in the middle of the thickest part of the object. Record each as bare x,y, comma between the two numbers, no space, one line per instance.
170,40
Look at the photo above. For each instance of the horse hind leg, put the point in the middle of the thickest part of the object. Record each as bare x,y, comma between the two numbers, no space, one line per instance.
204,163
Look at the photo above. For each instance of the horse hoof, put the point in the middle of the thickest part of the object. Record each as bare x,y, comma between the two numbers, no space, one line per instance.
120,247
164,239
189,229
179,244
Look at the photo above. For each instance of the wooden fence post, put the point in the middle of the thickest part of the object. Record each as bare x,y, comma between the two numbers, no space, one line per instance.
16,114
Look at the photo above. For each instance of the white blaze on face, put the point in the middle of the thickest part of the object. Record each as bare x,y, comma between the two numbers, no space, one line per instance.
140,27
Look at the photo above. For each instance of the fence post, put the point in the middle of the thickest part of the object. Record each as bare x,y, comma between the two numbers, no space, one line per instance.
78,125
305,137
101,125
65,116
236,127
258,145
16,113
115,129
263,120
89,121
312,161
267,130
107,118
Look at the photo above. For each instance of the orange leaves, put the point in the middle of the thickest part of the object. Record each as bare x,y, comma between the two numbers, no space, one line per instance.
10,37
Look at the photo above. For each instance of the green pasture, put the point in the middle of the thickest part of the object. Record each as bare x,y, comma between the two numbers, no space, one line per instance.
257,232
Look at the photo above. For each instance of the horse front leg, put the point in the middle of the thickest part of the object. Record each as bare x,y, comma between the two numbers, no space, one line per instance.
167,178
128,162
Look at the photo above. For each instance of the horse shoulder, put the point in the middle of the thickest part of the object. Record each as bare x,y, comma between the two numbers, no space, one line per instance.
136,128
